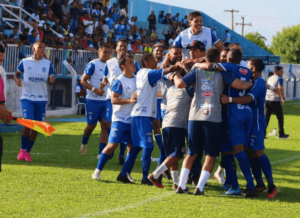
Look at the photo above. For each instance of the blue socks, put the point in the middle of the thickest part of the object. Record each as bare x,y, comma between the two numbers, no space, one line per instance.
84,140
266,167
130,160
162,155
102,161
245,167
146,162
230,168
122,149
256,170
101,147
29,146
24,141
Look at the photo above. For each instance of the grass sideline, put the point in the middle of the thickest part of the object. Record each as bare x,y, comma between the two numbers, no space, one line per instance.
58,182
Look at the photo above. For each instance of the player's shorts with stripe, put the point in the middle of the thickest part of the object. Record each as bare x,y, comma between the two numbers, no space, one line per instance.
257,139
120,133
141,132
109,110
240,127
34,110
158,113
95,111
204,135
174,141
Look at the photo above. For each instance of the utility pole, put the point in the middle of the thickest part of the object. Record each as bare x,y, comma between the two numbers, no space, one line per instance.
243,24
232,19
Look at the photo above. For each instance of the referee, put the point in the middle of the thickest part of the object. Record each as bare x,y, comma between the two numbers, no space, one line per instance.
273,101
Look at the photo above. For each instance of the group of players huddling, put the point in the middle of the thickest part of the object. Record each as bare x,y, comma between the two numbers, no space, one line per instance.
199,94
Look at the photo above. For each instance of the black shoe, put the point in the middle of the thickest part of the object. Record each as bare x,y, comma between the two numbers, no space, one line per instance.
147,182
112,155
123,179
261,188
198,192
250,193
271,188
167,175
265,137
121,161
283,136
181,191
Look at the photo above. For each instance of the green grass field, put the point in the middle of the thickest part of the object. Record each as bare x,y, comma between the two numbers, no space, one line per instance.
58,182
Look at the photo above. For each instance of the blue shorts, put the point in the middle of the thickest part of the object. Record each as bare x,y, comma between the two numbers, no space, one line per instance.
34,110
120,132
158,111
95,111
109,110
225,143
174,141
141,132
257,139
204,135
240,127
162,113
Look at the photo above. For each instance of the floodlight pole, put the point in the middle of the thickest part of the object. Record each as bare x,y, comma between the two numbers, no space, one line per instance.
243,24
232,18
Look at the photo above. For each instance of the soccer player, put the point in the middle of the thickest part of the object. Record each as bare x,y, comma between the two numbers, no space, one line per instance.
174,131
111,72
37,71
256,98
196,32
95,98
123,96
240,116
142,114
273,104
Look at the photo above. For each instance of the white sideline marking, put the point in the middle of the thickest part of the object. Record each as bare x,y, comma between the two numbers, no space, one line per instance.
130,206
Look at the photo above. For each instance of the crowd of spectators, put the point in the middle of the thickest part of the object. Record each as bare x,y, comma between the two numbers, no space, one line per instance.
86,24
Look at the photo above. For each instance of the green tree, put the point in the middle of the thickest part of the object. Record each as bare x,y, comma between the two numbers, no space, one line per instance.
257,39
286,44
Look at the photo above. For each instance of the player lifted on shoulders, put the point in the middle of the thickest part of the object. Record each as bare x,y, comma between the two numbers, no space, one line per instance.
95,99
37,71
123,96
256,97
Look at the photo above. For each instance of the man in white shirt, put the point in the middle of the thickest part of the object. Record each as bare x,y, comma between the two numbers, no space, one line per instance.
88,25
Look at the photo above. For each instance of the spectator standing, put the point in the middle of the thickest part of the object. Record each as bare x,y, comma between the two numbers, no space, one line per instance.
118,30
185,22
105,29
227,39
214,31
88,25
74,10
152,21
167,35
65,11
123,13
161,17
273,104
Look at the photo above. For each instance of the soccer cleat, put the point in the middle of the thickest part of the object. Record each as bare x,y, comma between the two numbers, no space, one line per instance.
261,188
236,191
96,174
21,155
27,157
198,192
83,149
283,136
175,187
121,161
219,177
167,175
181,191
226,187
123,179
155,181
272,192
130,178
147,182
250,193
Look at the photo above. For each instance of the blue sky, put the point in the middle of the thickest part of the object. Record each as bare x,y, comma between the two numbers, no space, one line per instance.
266,16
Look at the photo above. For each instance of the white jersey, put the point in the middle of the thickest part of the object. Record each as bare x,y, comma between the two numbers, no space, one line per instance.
146,84
125,87
95,69
36,73
186,37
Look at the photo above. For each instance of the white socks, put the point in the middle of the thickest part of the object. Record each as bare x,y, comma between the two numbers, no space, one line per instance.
203,179
162,168
183,177
96,174
175,177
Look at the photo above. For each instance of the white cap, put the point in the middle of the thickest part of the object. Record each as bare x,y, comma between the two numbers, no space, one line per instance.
60,36
71,35
42,21
40,25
